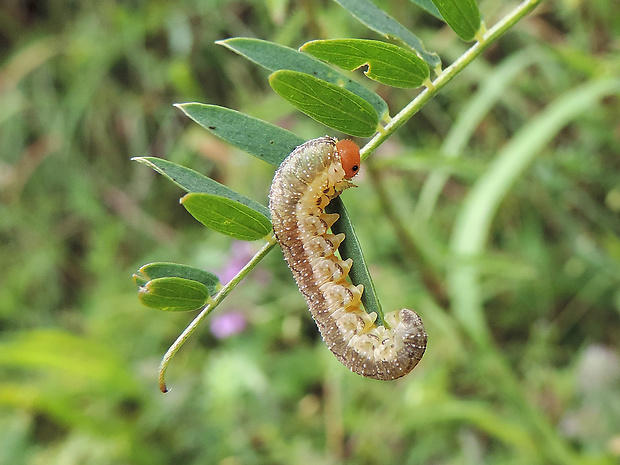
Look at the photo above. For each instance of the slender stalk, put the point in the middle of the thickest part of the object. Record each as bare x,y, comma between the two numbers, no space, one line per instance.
448,74
217,299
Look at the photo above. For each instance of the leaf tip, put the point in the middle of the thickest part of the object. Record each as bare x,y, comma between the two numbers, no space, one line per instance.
140,279
181,106
186,107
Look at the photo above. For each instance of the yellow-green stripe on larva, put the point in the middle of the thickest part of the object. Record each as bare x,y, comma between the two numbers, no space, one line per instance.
312,175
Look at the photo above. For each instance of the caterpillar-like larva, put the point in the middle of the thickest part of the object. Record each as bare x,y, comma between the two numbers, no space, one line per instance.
312,175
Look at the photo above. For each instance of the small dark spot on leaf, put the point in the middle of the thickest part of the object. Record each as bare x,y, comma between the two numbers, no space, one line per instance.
212,128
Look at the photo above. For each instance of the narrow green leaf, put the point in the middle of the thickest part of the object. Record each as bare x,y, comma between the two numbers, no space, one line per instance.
227,216
387,63
275,57
462,16
327,103
167,270
429,7
351,248
192,181
240,130
174,294
378,20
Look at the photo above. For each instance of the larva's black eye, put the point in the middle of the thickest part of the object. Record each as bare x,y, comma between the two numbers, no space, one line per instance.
349,156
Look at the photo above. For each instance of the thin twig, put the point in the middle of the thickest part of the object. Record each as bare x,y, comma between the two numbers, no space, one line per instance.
217,299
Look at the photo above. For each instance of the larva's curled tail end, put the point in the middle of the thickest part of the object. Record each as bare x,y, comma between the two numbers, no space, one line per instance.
408,338
379,352
349,157
414,335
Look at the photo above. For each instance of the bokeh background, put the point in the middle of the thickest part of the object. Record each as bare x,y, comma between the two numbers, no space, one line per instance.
85,86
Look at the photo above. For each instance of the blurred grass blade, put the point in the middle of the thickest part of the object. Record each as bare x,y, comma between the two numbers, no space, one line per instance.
71,358
474,220
351,248
485,417
275,57
429,7
227,216
496,87
240,130
167,270
327,103
462,16
387,63
192,181
174,294
432,162
378,20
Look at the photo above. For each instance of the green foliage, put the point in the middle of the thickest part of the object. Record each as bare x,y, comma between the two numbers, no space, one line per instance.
369,14
327,103
163,269
174,294
191,181
351,248
227,216
429,7
462,16
225,124
387,63
493,212
276,57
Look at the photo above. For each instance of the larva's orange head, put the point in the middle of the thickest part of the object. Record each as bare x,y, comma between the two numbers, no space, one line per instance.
349,156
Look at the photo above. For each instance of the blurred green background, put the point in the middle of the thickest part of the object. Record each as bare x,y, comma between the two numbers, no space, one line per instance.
523,362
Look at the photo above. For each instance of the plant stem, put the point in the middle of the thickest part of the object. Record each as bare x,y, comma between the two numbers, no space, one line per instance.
448,74
217,299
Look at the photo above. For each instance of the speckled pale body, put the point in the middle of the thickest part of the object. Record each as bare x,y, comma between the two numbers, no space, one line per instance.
303,185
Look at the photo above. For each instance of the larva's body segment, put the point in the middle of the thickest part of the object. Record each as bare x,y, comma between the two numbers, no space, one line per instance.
306,181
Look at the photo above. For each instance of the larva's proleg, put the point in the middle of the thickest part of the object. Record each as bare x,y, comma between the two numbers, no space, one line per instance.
312,175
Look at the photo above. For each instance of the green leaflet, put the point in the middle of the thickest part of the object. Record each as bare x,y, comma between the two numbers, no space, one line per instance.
192,181
429,7
227,216
275,57
462,16
174,294
387,63
351,248
240,130
164,270
378,20
329,104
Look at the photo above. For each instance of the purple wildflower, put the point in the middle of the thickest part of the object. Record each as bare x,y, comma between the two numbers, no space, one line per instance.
241,253
227,324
